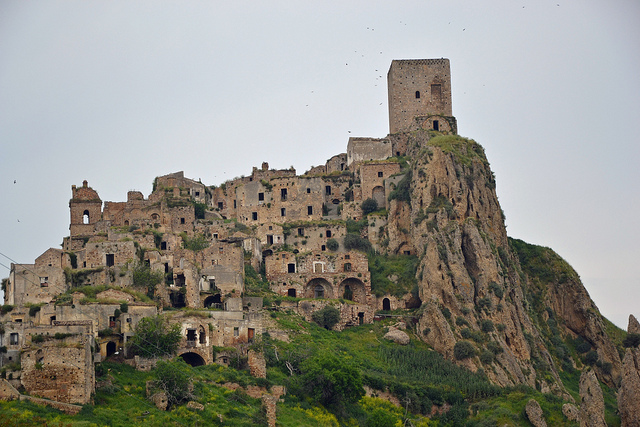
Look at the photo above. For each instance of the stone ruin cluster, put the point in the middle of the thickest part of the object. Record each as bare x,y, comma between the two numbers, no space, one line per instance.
200,239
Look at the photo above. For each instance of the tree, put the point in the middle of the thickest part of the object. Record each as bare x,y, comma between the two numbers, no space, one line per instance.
631,340
368,206
174,379
144,277
155,337
327,317
354,241
331,381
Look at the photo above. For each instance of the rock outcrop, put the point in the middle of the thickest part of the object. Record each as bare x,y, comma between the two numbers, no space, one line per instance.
397,336
629,391
534,413
591,401
570,411
469,269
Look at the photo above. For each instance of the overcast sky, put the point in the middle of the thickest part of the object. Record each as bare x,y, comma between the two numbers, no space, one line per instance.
119,92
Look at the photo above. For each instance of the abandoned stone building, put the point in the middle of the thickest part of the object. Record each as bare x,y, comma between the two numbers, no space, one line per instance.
195,241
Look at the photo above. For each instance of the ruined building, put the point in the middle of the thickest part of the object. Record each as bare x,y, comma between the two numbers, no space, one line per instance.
196,240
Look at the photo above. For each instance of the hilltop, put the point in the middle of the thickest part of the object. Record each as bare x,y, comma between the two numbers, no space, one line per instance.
386,269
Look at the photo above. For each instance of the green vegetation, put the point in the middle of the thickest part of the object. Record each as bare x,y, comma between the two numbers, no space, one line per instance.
401,268
154,337
195,243
402,192
173,378
326,317
332,244
145,278
355,242
465,150
368,206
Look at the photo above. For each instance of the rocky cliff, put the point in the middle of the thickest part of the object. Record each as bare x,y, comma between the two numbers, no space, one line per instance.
521,308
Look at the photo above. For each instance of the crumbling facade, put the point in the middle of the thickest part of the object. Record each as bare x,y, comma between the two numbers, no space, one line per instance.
187,244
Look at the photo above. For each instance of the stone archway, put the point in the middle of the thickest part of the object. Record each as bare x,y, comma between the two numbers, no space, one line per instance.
193,359
386,304
377,194
318,288
213,301
352,289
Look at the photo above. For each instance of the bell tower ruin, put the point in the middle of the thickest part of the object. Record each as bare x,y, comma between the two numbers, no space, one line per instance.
86,209
420,95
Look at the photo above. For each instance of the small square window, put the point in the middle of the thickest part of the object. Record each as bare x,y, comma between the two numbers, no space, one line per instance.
380,174
328,233
308,190
220,205
182,221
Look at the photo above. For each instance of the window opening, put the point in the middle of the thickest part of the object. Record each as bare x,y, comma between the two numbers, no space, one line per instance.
291,268
436,125
347,266
85,217
254,216
380,174
283,193
163,246
300,231
261,197
182,221
220,205
291,292
111,260
236,331
309,210
283,212
348,293
417,94
386,304
327,190
308,190
328,233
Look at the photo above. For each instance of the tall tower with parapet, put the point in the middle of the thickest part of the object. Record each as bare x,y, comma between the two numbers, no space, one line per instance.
420,96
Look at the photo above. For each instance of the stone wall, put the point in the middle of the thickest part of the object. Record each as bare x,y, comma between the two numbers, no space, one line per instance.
365,149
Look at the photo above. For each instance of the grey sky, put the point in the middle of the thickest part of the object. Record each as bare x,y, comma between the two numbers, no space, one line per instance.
118,92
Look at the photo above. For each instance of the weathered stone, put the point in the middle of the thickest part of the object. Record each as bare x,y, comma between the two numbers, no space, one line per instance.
397,336
269,403
257,364
629,391
591,400
534,413
195,405
634,326
7,391
161,400
571,412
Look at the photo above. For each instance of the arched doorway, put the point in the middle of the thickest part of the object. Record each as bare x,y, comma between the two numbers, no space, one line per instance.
111,348
353,289
318,288
378,195
213,301
193,359
386,304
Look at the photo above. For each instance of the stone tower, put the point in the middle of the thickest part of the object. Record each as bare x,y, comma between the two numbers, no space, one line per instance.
420,95
86,209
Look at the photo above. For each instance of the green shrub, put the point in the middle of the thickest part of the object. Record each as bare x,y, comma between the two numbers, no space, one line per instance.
327,317
487,326
591,358
331,381
368,206
463,350
631,340
174,378
155,337
402,191
332,244
38,338
486,357
355,242
461,321
496,289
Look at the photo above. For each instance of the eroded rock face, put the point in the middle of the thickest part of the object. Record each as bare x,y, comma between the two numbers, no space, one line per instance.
591,401
468,268
629,391
571,412
534,413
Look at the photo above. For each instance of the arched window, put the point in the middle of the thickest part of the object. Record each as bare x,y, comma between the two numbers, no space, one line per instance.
85,217
417,94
